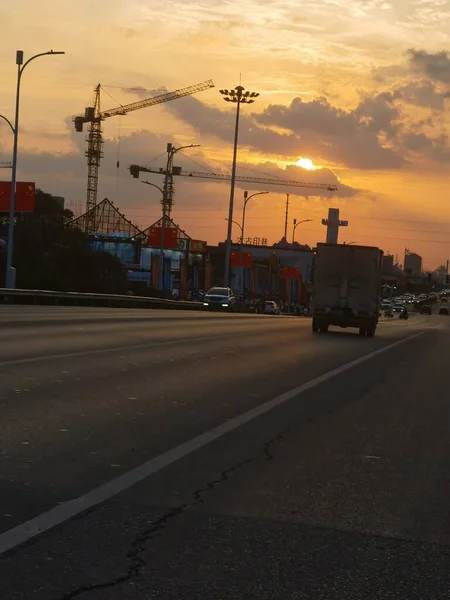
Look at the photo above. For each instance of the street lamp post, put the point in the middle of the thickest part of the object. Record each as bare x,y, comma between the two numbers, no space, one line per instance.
167,191
10,272
238,96
296,224
246,199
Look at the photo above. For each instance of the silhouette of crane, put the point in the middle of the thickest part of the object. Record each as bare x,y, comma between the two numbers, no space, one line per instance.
94,116
135,170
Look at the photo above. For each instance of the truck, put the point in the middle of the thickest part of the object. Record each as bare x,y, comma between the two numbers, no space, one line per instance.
346,287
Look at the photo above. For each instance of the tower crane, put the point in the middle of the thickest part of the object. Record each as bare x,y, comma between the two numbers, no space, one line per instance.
135,170
5,165
94,116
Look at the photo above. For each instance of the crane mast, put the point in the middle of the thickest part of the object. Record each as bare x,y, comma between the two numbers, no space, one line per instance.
94,154
94,116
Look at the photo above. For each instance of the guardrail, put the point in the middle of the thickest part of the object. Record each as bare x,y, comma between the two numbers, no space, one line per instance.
39,297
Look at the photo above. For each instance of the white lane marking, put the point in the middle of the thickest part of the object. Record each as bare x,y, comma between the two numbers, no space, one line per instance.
34,359
63,512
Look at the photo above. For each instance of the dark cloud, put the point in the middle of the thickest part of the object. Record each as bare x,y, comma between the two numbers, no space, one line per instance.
421,93
315,129
435,66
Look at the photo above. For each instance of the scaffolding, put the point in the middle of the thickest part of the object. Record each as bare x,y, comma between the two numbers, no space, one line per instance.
106,220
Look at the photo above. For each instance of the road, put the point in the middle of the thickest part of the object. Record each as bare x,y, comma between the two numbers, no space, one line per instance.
178,455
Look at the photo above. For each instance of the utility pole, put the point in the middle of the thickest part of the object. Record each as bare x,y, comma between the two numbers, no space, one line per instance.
286,217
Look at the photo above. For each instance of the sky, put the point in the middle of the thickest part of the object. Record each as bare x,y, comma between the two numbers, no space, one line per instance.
358,89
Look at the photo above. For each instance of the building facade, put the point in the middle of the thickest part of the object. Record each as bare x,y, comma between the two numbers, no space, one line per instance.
413,264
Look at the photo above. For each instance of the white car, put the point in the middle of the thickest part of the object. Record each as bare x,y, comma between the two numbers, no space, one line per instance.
271,308
219,298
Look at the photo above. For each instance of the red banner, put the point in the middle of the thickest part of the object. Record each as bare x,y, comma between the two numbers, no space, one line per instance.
246,259
241,259
291,273
235,259
170,238
25,196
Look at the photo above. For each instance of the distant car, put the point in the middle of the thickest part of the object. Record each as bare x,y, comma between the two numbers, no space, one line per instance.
271,308
425,309
444,311
398,308
219,298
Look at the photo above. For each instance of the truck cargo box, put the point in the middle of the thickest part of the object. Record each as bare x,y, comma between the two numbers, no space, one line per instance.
346,287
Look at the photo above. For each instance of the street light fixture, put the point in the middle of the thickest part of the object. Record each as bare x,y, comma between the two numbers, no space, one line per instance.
239,96
296,224
8,121
10,272
240,227
246,199
153,185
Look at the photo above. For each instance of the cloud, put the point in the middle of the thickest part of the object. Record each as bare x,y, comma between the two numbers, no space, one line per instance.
435,66
314,129
66,175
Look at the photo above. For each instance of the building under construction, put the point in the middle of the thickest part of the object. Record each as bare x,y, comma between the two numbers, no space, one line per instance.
185,271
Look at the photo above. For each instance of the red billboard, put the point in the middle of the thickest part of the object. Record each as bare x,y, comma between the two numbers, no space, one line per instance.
25,196
291,273
241,259
170,238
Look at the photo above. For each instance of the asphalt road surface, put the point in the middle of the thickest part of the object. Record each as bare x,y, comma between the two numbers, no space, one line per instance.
177,455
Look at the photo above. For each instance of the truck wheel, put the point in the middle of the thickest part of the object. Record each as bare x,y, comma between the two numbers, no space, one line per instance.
362,331
315,327
370,332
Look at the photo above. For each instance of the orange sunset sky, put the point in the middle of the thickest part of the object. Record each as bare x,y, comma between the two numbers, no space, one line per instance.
359,87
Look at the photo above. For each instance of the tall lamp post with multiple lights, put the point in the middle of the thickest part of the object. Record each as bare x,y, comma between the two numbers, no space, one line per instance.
239,96
296,224
10,272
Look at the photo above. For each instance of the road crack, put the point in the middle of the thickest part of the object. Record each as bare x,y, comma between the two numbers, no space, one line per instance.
134,555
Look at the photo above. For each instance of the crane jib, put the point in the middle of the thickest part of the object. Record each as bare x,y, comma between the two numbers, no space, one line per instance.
136,169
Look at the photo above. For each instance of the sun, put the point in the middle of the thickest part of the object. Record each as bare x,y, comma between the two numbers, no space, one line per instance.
306,163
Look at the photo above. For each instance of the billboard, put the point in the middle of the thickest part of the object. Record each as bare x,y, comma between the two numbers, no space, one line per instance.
170,237
241,259
197,246
25,196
